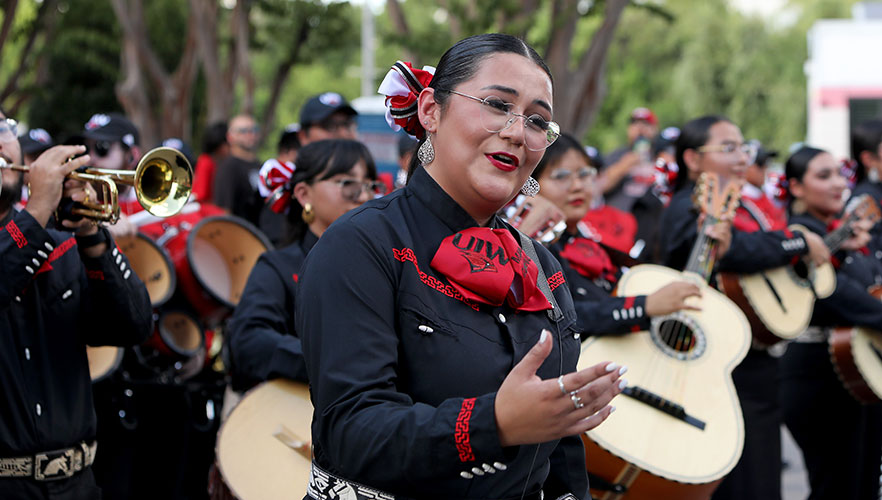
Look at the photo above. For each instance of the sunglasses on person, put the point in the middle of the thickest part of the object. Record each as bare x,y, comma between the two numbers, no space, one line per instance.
351,189
8,130
101,148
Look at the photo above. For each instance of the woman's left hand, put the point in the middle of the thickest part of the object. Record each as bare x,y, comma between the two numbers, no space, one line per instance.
541,215
860,230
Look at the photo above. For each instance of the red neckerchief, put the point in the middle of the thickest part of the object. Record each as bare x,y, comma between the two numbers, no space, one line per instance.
589,259
488,266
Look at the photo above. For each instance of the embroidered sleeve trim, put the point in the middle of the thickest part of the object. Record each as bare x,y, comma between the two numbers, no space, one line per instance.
556,280
461,434
629,302
16,234
407,255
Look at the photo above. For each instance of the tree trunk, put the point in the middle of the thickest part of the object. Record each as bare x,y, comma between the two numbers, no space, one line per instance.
282,72
218,92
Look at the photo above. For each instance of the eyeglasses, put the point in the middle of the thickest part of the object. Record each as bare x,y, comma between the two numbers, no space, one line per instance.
351,189
247,130
8,130
565,176
496,116
730,147
101,148
334,125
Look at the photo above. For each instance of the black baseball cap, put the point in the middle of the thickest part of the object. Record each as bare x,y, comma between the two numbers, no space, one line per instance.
111,127
762,154
321,106
36,140
180,145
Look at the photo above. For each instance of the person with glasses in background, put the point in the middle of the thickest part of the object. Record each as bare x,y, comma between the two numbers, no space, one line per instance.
591,268
63,286
714,144
327,116
238,175
332,177
440,346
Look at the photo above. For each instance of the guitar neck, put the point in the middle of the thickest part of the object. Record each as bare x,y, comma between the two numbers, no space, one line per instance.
834,239
703,256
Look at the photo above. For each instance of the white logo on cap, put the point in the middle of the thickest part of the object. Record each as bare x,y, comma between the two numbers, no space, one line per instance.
40,136
332,99
128,140
98,120
173,143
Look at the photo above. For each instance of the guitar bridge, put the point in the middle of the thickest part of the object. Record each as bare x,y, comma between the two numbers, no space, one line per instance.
663,405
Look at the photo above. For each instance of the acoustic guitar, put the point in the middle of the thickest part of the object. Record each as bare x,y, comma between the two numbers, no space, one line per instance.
678,429
857,358
779,302
264,448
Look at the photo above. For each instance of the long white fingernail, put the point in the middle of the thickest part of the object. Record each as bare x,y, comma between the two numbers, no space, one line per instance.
543,336
622,384
623,370
610,367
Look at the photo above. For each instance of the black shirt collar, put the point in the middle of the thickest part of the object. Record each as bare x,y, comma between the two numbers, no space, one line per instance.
308,241
424,187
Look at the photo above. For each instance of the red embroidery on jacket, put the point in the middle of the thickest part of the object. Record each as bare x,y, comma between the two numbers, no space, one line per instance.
461,434
629,302
16,234
406,254
556,280
56,254
295,277
95,275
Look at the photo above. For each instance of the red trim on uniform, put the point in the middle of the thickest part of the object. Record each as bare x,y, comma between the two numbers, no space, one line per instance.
635,329
836,262
629,302
16,234
60,250
95,275
556,280
788,232
295,277
461,434
406,254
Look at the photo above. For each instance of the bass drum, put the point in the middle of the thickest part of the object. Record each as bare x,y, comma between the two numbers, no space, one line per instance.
152,265
177,346
263,448
212,260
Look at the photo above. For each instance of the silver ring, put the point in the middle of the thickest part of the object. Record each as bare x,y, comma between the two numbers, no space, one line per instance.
560,384
577,401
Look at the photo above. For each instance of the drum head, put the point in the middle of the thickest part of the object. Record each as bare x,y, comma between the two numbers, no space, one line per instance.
181,333
222,251
103,361
152,265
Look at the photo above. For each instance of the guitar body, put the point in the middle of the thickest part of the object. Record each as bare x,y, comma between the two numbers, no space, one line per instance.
263,448
857,357
687,359
779,302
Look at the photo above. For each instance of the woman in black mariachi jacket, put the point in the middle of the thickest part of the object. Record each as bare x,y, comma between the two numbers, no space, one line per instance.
714,144
332,177
565,175
439,366
866,149
840,438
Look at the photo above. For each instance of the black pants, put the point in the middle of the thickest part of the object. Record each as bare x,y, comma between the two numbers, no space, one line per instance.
841,440
79,487
758,473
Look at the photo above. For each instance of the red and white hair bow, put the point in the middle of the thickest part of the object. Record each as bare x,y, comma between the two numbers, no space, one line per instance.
273,185
402,86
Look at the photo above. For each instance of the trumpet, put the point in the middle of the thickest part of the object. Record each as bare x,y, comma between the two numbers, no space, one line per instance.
162,182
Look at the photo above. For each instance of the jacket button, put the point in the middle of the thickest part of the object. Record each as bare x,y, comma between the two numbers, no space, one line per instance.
577,336
466,475
581,291
501,318
477,471
500,466
39,409
488,468
27,354
426,329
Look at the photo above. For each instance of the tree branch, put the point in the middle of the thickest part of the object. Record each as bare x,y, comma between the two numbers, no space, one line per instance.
9,8
282,72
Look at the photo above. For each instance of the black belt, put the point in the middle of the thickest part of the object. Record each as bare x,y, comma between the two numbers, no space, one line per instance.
324,485
50,465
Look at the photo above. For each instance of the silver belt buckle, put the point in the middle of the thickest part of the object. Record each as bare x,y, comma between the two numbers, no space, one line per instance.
50,466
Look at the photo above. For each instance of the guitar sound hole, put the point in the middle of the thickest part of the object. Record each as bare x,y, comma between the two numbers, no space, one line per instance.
678,336
801,269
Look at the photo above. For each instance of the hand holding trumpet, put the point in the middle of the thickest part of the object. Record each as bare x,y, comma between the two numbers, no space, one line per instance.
47,181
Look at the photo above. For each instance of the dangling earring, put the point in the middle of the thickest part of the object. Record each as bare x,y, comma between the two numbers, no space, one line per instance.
530,188
308,215
426,153
797,206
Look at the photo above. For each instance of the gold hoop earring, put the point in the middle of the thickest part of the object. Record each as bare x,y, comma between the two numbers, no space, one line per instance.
308,214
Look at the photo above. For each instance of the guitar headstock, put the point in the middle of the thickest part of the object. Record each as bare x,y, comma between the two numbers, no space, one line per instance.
863,207
717,197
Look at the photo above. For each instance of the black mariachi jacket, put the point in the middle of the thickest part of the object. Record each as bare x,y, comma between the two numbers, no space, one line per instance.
873,189
262,339
403,372
54,302
849,304
598,312
748,253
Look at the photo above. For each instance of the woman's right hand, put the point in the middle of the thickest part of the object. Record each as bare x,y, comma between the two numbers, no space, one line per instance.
541,215
530,410
672,298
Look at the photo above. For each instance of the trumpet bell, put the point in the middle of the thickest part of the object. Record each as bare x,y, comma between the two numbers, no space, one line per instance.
163,181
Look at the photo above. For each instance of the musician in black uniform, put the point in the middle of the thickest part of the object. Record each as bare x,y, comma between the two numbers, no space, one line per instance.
566,178
61,290
866,150
715,144
438,367
332,177
841,439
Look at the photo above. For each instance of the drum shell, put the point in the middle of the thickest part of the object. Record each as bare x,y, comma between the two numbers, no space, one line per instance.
152,264
226,249
177,334
103,361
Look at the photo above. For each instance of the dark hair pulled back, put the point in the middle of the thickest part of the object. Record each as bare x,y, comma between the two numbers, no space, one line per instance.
693,135
865,137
